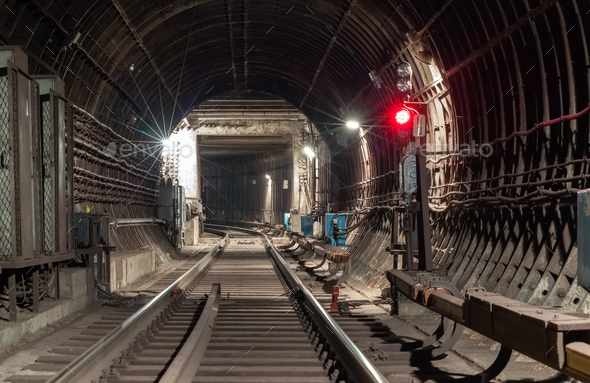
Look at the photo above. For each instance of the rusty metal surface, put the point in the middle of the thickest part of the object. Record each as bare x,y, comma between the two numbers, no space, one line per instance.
542,333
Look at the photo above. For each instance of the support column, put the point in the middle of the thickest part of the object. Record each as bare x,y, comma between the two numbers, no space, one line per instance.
424,240
189,177
36,290
299,169
12,297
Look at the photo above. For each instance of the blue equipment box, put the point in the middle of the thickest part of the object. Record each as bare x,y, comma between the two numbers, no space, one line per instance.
584,238
287,221
333,220
307,224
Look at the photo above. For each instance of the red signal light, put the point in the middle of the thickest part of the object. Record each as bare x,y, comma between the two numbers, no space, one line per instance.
402,116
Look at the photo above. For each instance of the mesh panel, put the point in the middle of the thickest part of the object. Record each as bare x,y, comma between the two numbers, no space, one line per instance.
15,160
37,156
5,208
47,177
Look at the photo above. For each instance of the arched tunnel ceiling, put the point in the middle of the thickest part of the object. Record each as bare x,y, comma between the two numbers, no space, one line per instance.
508,64
314,54
506,221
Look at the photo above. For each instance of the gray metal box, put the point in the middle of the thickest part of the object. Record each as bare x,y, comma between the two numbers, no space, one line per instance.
584,238
20,145
172,208
55,126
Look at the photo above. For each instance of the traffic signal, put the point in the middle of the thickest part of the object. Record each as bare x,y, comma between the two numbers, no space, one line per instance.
402,116
403,75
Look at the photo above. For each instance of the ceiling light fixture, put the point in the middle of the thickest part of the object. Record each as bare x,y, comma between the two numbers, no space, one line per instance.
352,124
309,152
376,80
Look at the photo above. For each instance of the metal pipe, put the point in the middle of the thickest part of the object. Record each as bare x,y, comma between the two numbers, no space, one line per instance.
136,221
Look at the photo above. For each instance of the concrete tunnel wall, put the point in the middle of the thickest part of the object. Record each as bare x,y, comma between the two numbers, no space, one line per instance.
506,221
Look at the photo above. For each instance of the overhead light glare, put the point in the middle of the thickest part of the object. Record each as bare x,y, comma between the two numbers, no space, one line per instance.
352,124
267,177
309,152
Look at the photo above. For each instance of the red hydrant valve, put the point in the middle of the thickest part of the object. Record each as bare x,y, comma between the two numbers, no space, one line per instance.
335,293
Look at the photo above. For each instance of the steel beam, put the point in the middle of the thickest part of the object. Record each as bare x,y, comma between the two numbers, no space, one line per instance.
542,333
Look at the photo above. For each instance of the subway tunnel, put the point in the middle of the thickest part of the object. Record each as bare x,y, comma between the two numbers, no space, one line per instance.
446,140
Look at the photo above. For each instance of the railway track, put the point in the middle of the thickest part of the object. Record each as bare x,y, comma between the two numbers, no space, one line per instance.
91,327
242,314
239,314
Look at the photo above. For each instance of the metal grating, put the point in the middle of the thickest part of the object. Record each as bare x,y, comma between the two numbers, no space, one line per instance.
37,172
5,209
15,159
55,175
47,177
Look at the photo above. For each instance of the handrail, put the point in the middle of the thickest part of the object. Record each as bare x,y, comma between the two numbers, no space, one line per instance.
184,366
357,365
91,363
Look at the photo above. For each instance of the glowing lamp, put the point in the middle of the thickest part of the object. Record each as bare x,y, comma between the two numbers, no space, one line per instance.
402,116
352,124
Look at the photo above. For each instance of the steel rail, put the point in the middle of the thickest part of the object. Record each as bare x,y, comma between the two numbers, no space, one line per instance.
357,366
184,366
90,365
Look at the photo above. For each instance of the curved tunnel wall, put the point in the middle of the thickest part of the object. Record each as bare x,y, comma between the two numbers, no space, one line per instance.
506,221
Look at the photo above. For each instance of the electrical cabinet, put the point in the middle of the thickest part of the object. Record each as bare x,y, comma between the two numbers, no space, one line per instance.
20,142
56,164
307,224
296,223
92,232
583,238
172,209
336,220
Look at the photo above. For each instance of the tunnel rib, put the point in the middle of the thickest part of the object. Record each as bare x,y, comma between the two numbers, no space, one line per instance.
141,45
328,50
